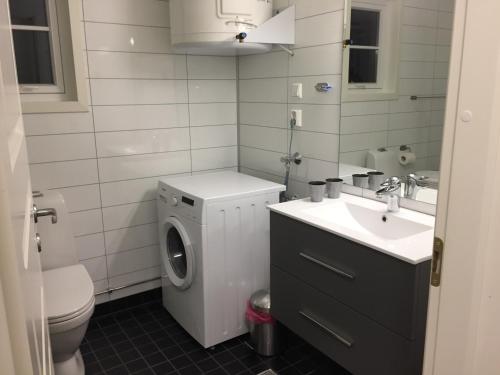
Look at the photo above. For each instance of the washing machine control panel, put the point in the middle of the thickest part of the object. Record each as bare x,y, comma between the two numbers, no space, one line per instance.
180,203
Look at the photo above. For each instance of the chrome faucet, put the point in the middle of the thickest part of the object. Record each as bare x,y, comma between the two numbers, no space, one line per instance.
413,183
390,188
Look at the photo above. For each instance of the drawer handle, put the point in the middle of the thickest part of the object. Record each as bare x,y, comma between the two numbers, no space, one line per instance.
339,337
327,266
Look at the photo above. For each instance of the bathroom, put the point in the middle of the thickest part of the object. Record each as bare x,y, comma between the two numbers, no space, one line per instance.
124,135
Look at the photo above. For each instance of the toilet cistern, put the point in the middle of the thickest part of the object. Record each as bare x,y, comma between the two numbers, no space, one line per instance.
390,188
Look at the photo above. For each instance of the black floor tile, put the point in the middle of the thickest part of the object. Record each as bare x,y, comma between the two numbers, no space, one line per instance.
136,335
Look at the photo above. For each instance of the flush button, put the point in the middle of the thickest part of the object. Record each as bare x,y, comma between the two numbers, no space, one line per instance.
466,116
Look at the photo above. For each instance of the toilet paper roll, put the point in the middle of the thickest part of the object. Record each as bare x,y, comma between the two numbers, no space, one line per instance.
406,158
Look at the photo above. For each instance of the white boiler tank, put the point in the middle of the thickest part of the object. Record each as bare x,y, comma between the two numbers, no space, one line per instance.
211,26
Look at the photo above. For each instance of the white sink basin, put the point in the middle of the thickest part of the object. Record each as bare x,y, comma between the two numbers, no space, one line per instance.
407,235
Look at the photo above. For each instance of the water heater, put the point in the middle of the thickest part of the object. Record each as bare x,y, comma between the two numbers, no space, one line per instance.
218,26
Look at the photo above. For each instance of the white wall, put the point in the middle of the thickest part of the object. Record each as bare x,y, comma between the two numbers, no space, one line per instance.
153,113
265,98
423,71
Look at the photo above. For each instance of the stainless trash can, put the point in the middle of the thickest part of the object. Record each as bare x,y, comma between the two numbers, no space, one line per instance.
262,326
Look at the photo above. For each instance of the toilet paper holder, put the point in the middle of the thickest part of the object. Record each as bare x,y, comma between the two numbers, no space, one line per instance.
405,148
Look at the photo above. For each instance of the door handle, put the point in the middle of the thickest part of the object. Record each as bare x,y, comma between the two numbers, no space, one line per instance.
39,212
38,242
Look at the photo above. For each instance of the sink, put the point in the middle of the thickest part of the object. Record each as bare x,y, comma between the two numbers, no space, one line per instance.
406,234
368,221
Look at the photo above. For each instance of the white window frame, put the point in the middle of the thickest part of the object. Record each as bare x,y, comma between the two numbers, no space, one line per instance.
55,53
386,86
74,97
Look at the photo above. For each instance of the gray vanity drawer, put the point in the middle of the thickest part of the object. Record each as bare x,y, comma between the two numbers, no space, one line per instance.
357,343
390,291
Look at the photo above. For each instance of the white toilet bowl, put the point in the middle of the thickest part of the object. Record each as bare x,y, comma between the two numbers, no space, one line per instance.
69,294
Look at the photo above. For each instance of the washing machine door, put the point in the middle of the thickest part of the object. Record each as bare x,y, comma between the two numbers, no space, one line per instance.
177,253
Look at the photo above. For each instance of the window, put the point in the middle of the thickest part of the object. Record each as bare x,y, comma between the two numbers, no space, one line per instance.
48,45
37,46
371,48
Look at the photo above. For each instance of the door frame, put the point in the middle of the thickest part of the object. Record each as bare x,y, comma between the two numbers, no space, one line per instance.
463,330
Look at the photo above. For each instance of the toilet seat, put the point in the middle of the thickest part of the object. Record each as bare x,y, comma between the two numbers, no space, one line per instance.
69,296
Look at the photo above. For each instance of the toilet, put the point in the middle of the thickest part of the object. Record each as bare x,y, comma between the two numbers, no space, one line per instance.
68,288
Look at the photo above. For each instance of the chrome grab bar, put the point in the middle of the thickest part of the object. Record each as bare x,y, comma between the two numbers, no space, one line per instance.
39,212
327,266
339,337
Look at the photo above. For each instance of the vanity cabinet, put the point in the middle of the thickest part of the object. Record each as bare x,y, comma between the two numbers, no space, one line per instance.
364,309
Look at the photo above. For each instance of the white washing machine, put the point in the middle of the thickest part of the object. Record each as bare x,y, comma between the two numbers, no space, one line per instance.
214,237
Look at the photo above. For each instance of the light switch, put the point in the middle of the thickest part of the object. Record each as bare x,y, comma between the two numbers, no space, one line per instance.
297,116
297,90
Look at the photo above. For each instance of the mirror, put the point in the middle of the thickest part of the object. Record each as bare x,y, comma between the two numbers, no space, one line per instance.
394,80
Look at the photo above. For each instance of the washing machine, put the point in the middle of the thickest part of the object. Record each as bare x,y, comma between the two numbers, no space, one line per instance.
214,241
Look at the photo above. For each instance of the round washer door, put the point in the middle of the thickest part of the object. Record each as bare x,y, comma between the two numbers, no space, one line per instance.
177,253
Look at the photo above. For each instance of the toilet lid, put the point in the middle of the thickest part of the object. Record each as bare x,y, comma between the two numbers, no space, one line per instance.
67,290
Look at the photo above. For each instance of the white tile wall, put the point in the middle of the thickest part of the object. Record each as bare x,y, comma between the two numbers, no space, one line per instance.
266,98
153,113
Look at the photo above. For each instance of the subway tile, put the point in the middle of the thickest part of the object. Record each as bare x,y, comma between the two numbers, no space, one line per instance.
268,65
308,8
131,12
214,158
407,136
96,267
79,198
86,222
419,17
424,4
141,141
435,133
212,114
104,64
417,52
127,215
273,139
57,123
214,136
415,86
444,37
353,158
409,120
131,238
134,277
362,141
416,69
135,117
443,53
63,174
320,60
129,191
316,145
264,114
90,246
418,34
124,38
270,90
363,124
211,67
261,160
49,148
133,260
312,169
326,28
139,166
364,108
318,118
445,20
210,91
138,91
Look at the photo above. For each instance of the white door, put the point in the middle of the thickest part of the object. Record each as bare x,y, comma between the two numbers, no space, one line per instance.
463,330
20,272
